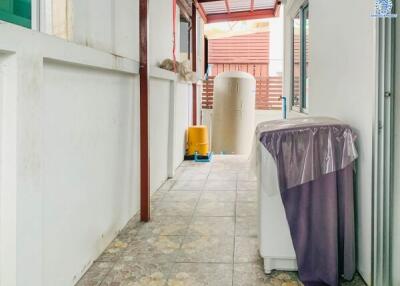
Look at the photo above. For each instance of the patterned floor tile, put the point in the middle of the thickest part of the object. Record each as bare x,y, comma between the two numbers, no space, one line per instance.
201,231
182,196
169,225
222,176
189,185
246,249
115,249
138,274
218,226
247,185
198,274
204,168
227,196
173,208
246,176
220,185
252,274
179,171
167,185
193,175
215,209
246,209
246,226
95,275
247,196
158,195
161,247
216,249
131,229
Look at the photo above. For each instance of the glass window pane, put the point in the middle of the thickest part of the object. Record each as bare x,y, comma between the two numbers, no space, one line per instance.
185,40
296,62
16,12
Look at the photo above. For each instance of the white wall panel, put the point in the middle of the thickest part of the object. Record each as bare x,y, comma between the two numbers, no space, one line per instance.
72,137
160,31
158,131
88,170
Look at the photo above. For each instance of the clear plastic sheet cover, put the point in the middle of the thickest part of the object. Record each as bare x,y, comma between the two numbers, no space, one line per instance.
305,149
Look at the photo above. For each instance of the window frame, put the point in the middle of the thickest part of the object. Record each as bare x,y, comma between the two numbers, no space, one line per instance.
304,96
34,24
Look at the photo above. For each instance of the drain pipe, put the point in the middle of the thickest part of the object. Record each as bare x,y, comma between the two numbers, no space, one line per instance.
194,61
284,107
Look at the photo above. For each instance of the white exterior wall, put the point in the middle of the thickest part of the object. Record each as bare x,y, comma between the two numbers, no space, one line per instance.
69,125
342,85
110,26
276,45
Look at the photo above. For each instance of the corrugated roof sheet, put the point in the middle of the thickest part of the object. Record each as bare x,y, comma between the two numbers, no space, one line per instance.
219,7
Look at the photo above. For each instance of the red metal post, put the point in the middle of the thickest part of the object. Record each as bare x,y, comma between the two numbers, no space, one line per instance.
144,113
240,16
194,60
227,7
202,13
277,8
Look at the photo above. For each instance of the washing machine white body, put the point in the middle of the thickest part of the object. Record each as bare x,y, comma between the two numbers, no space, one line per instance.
275,242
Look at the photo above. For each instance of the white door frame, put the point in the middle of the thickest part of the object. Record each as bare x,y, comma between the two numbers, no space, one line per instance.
383,152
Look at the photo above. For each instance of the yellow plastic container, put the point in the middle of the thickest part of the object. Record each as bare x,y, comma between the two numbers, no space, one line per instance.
197,140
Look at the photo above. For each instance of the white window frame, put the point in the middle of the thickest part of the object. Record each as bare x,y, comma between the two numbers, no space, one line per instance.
302,109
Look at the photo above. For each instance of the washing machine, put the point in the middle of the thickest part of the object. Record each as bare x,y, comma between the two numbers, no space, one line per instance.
275,242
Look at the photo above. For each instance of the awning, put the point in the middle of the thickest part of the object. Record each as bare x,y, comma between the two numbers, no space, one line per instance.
235,10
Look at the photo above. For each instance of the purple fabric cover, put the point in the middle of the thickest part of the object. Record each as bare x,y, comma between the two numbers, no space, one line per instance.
320,211
321,222
307,148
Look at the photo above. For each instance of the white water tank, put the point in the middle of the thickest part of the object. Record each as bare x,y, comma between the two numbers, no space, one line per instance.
233,113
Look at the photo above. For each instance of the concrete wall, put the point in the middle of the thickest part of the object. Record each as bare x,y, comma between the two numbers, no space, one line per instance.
69,125
110,26
68,142
342,85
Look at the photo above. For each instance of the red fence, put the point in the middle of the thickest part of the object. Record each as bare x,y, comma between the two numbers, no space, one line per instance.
268,93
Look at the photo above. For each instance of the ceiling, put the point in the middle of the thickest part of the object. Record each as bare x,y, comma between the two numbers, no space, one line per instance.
235,10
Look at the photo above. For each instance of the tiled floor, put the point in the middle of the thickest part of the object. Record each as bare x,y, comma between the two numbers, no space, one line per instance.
202,233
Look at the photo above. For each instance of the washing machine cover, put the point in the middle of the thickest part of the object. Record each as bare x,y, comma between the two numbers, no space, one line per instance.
314,157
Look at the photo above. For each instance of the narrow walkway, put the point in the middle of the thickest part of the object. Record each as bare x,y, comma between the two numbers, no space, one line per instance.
203,233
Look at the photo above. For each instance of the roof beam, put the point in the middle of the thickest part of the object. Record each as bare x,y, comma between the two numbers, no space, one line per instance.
277,8
205,1
186,10
238,16
227,6
202,13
